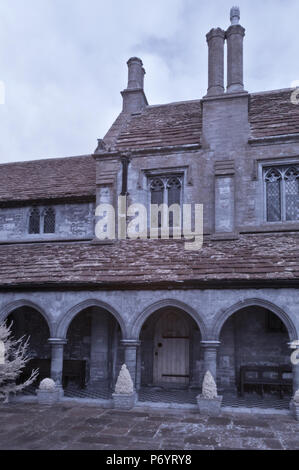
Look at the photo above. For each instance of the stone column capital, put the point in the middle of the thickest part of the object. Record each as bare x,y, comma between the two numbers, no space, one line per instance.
210,344
215,32
130,343
235,29
57,341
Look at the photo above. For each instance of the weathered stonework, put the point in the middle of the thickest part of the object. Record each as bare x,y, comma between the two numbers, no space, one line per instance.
101,302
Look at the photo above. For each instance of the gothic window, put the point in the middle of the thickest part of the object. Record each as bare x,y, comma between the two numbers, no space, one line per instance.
34,221
282,184
166,190
42,221
174,194
157,194
49,220
174,190
157,191
291,190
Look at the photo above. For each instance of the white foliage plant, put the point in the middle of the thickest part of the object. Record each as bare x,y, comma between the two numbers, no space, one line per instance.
124,384
209,387
14,356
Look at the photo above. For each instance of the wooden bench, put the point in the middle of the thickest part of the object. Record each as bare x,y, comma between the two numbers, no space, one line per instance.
274,376
72,370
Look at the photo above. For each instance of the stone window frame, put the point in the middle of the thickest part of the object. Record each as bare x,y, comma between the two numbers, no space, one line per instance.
42,211
262,166
166,173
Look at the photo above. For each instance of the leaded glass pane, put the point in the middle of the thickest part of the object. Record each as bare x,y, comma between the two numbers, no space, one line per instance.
157,194
49,220
34,221
273,189
174,194
174,190
292,198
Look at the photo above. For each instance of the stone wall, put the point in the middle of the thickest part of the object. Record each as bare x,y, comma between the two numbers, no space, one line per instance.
72,221
246,339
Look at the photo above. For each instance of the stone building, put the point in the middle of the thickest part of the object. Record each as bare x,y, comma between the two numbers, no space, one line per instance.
169,313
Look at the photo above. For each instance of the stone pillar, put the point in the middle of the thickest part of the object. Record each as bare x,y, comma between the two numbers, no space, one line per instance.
235,35
134,99
131,346
210,357
215,40
57,345
99,346
296,377
138,370
294,346
224,196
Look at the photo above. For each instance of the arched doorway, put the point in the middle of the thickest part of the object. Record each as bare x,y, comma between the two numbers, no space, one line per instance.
171,349
254,355
29,323
170,352
93,354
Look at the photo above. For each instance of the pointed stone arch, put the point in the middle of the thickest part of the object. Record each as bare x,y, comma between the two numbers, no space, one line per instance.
254,302
148,311
12,306
66,320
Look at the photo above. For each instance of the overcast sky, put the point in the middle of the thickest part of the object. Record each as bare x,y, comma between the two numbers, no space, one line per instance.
63,62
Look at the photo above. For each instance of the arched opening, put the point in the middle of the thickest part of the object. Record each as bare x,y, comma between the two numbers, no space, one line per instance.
93,354
170,356
254,358
28,322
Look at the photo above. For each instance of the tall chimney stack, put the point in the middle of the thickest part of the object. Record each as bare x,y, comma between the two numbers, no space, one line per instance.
215,40
134,99
234,36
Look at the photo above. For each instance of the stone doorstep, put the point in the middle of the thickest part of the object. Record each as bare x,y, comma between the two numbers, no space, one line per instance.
108,404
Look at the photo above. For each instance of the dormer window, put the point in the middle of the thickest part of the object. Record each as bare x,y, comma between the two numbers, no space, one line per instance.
282,193
42,221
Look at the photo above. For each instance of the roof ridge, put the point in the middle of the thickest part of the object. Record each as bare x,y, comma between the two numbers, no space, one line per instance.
38,160
173,103
279,90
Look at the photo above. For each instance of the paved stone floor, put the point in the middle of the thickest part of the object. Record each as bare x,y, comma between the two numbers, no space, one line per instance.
71,425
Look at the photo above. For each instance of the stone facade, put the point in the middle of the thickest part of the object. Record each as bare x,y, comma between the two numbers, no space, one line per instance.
73,221
102,299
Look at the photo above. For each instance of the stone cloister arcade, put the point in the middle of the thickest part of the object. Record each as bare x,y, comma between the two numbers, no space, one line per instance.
165,341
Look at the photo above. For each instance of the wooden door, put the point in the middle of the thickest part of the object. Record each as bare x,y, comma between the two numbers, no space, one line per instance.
171,350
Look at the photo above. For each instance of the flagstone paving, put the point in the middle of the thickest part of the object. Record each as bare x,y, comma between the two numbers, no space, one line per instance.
76,426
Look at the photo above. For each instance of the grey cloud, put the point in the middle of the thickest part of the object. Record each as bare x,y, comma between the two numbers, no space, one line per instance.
64,62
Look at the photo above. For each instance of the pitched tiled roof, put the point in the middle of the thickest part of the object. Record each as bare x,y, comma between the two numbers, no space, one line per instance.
162,126
148,262
273,113
270,114
50,178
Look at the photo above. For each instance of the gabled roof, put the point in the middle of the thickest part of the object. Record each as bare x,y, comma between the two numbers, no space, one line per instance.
273,114
165,125
175,124
270,114
259,257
